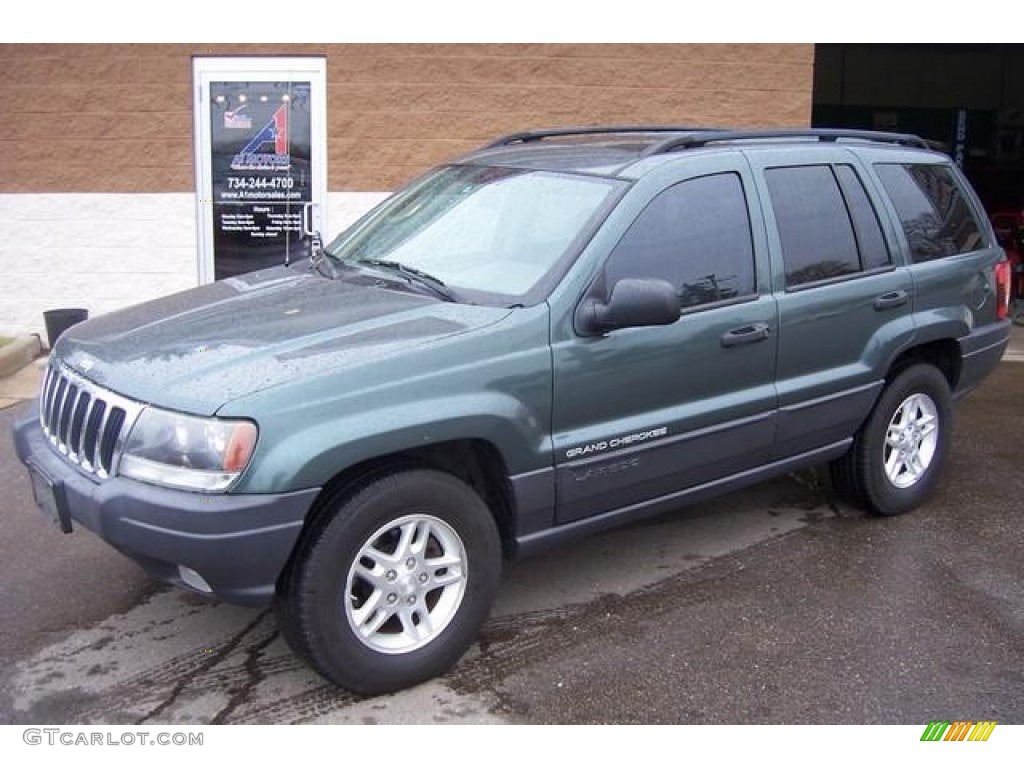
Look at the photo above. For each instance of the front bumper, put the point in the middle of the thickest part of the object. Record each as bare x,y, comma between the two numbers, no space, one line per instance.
238,544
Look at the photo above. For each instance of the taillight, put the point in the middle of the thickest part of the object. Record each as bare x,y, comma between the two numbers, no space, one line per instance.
1003,276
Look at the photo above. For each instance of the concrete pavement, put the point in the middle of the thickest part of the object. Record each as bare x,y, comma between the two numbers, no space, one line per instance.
23,384
1015,352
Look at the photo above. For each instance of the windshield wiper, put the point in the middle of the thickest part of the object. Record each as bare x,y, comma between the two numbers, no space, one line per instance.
411,274
318,258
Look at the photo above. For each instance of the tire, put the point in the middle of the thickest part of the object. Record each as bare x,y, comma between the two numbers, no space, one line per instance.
898,454
390,588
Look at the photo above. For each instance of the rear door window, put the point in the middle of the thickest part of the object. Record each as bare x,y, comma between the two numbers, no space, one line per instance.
816,234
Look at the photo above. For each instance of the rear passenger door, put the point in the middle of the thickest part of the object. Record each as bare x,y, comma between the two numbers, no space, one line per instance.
844,300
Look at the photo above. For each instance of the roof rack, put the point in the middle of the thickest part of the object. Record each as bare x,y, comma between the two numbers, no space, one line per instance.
705,137
592,130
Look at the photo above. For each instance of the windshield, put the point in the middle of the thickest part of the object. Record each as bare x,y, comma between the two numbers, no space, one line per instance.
491,231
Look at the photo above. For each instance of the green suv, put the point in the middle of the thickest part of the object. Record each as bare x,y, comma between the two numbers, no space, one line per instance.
559,333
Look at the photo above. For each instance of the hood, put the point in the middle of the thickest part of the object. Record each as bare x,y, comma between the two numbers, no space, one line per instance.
197,350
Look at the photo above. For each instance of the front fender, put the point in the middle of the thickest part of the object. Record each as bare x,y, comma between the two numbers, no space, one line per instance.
311,456
493,384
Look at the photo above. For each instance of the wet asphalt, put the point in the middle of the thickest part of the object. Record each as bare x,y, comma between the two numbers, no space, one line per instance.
773,605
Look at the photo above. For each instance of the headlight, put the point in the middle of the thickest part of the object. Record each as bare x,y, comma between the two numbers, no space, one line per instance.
180,451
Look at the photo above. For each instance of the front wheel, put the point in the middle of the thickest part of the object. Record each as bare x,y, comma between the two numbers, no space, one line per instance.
898,454
392,586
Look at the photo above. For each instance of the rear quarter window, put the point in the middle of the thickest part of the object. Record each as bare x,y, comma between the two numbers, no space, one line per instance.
932,209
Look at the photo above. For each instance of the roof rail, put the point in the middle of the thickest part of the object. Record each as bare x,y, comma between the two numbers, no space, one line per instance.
592,130
706,137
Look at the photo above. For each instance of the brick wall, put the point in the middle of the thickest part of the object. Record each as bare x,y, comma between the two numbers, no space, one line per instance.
97,201
118,118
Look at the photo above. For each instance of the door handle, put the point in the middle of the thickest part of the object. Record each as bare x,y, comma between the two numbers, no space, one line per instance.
892,300
748,334
308,226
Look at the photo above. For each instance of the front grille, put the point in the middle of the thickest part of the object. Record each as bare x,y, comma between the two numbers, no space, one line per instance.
85,423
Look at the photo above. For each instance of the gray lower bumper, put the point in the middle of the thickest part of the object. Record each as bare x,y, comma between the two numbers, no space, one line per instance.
238,543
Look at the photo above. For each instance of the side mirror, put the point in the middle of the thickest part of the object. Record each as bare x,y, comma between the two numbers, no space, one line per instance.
634,302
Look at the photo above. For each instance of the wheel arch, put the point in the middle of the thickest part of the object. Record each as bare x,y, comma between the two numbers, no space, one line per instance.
943,354
475,461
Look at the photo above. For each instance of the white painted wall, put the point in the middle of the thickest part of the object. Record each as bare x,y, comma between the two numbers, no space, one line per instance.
108,251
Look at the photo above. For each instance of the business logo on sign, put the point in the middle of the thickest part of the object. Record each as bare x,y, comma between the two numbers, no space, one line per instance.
961,730
255,156
234,119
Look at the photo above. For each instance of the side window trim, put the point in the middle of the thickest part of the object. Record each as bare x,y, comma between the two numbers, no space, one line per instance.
892,230
744,299
845,197
858,235
840,279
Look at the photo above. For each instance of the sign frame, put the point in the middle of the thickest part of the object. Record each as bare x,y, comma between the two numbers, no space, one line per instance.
213,69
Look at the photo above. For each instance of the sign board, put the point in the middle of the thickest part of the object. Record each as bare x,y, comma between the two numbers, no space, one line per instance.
960,138
261,160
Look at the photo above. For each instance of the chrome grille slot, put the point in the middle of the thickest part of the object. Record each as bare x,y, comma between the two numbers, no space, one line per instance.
64,420
78,420
90,439
84,422
56,401
110,437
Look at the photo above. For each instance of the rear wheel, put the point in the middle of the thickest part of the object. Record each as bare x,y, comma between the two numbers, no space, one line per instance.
898,455
393,585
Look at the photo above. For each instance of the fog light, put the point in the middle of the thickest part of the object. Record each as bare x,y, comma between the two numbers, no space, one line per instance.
193,579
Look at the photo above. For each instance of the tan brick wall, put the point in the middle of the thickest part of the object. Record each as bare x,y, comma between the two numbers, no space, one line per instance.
118,118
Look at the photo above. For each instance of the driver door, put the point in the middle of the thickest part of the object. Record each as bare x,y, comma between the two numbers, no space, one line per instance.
643,413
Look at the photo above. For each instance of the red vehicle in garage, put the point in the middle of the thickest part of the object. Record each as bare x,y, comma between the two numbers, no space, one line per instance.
1009,229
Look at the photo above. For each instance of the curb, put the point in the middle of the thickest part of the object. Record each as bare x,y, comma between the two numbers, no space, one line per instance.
19,353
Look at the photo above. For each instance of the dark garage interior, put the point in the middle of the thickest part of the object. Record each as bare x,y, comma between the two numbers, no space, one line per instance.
970,98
